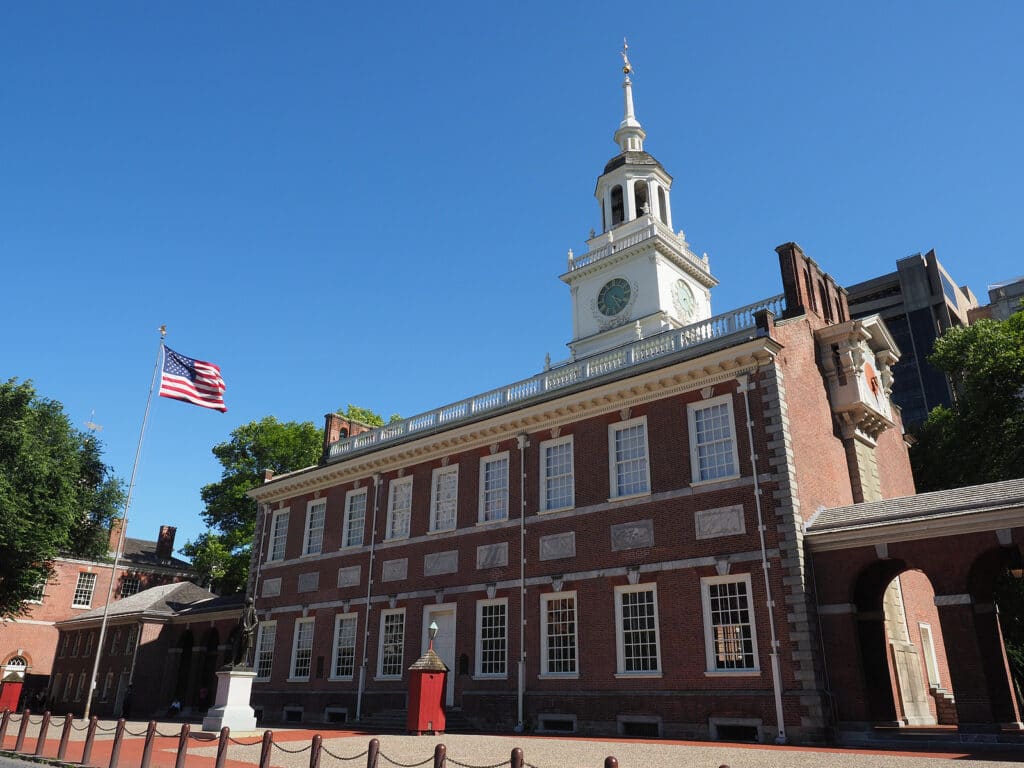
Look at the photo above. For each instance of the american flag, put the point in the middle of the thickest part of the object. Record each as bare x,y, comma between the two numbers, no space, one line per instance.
194,381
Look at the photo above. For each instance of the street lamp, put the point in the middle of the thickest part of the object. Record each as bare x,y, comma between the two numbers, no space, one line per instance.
432,633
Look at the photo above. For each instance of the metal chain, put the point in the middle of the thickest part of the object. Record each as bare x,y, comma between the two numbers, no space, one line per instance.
167,735
245,743
453,761
529,765
291,751
15,718
106,730
132,733
35,722
364,753
405,765
83,728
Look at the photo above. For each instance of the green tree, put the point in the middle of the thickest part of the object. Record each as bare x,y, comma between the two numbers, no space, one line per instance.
980,439
221,555
57,497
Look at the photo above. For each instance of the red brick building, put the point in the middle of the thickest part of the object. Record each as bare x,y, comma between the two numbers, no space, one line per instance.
77,586
161,645
623,542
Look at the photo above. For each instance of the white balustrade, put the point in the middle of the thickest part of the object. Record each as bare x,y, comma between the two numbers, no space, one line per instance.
566,375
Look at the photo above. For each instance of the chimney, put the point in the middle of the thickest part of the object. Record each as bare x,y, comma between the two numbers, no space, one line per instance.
337,427
809,290
165,542
115,533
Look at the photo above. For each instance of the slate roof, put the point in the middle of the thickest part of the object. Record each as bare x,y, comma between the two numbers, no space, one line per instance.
970,499
143,552
167,599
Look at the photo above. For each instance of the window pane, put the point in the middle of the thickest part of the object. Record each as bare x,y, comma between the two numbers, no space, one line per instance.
558,476
315,528
303,649
392,644
493,641
355,517
731,625
265,650
714,441
560,618
639,632
445,499
631,460
345,651
400,508
495,489
83,590
278,536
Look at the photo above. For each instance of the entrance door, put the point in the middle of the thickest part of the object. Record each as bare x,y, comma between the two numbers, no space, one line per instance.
444,643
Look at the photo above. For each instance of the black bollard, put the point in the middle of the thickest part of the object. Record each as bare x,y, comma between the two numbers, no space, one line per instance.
611,762
440,755
41,741
222,747
90,737
20,742
4,721
268,743
179,762
517,758
314,751
372,752
115,752
147,750
65,736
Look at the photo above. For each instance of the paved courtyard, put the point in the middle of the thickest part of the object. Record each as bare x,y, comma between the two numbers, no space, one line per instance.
343,748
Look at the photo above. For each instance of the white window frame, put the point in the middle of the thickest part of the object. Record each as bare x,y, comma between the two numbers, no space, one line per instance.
267,629
348,540
615,491
438,505
545,670
296,637
480,606
709,629
80,589
395,528
546,478
38,593
620,631
339,619
380,644
485,461
278,532
130,585
691,421
313,536
931,662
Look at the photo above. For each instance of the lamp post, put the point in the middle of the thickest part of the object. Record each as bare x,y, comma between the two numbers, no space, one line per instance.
432,633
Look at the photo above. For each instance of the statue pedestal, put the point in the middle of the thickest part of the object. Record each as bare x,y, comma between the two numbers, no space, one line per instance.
231,707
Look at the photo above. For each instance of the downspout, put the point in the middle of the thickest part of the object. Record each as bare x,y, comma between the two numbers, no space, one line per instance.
369,584
744,382
522,441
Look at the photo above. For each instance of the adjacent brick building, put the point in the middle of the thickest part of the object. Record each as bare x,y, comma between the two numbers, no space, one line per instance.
77,586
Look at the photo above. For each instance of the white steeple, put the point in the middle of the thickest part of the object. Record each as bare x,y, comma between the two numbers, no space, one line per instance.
630,136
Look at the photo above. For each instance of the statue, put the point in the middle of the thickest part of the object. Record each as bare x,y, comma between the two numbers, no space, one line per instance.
245,634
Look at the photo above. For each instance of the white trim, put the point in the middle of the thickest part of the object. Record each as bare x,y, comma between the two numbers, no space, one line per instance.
887,531
346,517
393,486
691,422
380,644
620,650
338,619
274,522
265,628
545,445
545,598
435,479
479,674
614,492
931,663
307,550
709,637
78,586
482,491
296,632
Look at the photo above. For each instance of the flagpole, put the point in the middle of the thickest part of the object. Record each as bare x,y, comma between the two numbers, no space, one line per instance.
124,529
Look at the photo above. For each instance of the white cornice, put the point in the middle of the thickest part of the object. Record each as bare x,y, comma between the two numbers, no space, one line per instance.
870,534
683,376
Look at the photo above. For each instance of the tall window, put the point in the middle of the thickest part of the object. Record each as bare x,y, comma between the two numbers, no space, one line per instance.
83,590
115,642
355,518
36,595
636,627
108,683
399,508
68,685
494,487
444,498
133,638
492,638
627,449
344,646
392,643
64,645
557,486
712,442
278,535
729,634
558,634
78,644
89,640
130,585
618,206
55,686
302,649
313,540
263,660
80,687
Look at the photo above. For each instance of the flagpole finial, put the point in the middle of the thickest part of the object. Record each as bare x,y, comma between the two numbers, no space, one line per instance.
163,331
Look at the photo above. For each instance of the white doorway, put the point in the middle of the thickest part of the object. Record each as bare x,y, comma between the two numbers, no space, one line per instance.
444,643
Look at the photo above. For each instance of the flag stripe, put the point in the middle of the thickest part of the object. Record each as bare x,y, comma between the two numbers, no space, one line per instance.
192,381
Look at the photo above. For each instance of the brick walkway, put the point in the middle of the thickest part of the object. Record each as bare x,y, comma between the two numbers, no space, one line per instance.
342,748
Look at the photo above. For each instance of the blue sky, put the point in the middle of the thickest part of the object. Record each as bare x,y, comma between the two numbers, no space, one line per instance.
371,203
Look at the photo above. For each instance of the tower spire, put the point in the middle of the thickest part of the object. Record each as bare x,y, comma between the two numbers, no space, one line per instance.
630,136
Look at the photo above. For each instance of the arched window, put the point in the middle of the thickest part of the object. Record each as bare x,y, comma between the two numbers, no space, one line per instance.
826,305
663,206
618,208
810,289
342,433
643,204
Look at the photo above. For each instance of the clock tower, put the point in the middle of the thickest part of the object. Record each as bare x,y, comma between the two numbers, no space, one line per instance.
637,277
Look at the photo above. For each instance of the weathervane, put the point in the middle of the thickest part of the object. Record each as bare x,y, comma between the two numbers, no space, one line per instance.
626,66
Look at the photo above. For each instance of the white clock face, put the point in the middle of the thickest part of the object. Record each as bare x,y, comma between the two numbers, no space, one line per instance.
682,297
